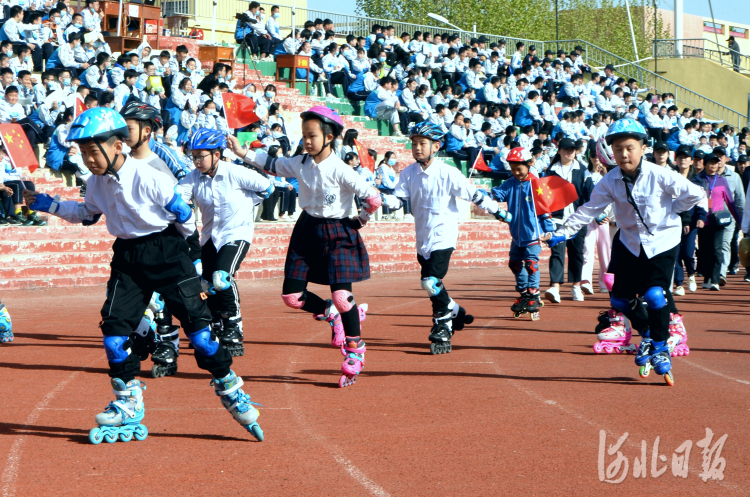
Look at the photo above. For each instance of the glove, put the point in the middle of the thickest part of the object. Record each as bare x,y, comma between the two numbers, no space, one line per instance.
198,266
555,240
504,216
45,203
156,305
371,204
208,287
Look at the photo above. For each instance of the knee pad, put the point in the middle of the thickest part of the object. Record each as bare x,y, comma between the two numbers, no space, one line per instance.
203,342
343,300
531,266
622,305
221,280
113,346
655,298
609,280
5,323
294,300
432,285
515,266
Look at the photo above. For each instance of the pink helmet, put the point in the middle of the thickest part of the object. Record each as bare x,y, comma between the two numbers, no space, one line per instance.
325,114
604,152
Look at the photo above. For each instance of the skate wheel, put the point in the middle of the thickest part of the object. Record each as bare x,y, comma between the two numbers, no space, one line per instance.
140,433
156,371
535,316
255,431
126,436
669,379
516,315
110,438
598,348
346,381
95,436
644,371
434,349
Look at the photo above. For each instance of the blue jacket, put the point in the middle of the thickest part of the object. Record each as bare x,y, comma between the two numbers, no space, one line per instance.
169,157
359,83
523,117
525,226
371,104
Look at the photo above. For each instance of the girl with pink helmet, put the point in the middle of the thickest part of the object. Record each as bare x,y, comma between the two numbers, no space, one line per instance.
325,247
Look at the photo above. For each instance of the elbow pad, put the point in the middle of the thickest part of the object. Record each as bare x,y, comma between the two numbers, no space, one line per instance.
179,208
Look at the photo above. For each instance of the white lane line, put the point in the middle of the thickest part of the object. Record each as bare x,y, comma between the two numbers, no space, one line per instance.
10,473
571,412
722,375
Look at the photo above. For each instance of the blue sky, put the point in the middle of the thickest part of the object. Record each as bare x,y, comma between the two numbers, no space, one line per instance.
723,9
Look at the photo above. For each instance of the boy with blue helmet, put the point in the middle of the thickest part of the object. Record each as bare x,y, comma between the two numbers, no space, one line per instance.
145,213
433,187
648,200
6,326
226,194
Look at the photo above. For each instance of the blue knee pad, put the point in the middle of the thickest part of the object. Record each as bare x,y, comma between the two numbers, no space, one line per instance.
655,298
222,280
619,304
203,343
5,323
113,346
432,285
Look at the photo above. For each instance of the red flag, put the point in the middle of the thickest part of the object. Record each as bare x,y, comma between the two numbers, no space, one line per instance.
365,159
552,194
480,165
239,110
18,147
80,107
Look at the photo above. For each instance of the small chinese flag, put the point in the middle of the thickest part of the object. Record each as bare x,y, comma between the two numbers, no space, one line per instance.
552,194
18,147
239,110
480,165
80,107
365,160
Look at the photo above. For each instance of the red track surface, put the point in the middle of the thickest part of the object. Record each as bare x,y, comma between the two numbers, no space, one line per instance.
515,409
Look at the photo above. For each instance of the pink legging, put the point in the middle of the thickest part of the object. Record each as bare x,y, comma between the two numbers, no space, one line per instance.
597,235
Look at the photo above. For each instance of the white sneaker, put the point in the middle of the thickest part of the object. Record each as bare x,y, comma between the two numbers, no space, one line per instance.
576,293
691,283
322,78
603,290
398,133
587,289
553,295
714,288
329,95
706,285
679,291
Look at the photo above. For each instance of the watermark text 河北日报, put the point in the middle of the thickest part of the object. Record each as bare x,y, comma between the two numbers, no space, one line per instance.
617,470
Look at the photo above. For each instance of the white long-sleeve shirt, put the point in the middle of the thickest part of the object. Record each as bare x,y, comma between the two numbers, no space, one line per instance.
226,201
660,196
326,189
433,192
133,205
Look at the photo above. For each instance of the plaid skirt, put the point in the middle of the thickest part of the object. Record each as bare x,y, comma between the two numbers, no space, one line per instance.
326,252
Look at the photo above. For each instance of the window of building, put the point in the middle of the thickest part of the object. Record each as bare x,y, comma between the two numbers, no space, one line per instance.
713,27
738,32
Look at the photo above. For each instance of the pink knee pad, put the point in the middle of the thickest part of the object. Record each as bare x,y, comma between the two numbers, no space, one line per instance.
343,300
293,300
609,280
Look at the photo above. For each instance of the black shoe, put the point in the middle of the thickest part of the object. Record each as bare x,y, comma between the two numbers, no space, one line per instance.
25,221
36,220
13,221
747,278
3,221
733,271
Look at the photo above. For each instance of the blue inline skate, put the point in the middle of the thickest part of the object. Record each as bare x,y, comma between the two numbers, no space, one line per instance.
6,327
656,356
238,403
122,417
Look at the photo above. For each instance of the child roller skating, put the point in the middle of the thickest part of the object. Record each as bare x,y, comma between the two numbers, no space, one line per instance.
6,326
225,193
526,227
151,223
325,247
647,199
433,187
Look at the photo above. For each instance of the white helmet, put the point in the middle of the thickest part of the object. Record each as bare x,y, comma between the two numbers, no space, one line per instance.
604,152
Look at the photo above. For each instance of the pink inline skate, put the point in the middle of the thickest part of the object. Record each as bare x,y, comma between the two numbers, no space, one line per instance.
354,362
616,338
677,340
334,319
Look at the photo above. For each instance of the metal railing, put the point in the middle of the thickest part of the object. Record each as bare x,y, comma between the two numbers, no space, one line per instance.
178,7
704,49
596,57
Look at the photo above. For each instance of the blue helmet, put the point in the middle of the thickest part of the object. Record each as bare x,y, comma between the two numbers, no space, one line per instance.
625,127
208,139
428,130
99,123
